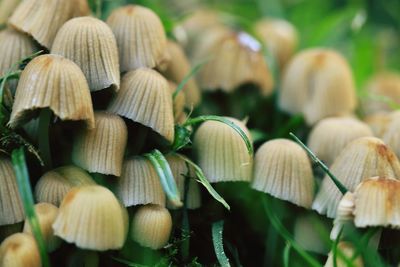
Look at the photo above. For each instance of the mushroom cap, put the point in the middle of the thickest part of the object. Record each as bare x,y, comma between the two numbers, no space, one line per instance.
151,226
19,250
140,37
378,123
6,9
329,136
102,149
282,169
236,60
52,81
145,97
221,152
92,218
318,83
11,208
362,158
139,183
97,55
46,214
391,134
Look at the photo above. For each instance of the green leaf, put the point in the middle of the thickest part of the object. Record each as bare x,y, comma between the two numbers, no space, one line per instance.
24,187
203,180
286,254
182,137
217,230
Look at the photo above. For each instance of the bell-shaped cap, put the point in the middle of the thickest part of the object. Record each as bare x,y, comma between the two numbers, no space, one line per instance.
55,184
14,46
177,69
362,158
318,83
378,123
139,183
97,55
377,203
140,37
11,208
180,170
101,149
221,152
19,250
52,81
92,218
151,226
46,214
6,9
282,169
329,136
383,93
145,97
236,60
279,36
348,251
42,18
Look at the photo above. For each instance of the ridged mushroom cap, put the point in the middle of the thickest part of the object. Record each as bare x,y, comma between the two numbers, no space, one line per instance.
236,60
97,55
318,83
102,149
139,183
46,214
282,169
11,208
362,158
19,250
145,97
52,81
221,152
151,226
92,218
329,136
140,37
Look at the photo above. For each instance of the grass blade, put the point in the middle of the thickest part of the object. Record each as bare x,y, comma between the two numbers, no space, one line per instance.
192,72
217,230
286,254
24,187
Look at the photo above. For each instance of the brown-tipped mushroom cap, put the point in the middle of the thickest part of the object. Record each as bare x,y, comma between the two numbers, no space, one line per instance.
349,252
46,214
92,218
280,36
52,81
329,136
236,60
97,55
377,203
151,226
140,37
102,149
362,158
19,250
221,152
318,83
11,208
282,169
177,69
55,184
42,18
145,97
139,183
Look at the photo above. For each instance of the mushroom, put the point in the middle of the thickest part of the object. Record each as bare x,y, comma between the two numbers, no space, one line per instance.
221,153
378,122
92,218
19,250
282,169
6,9
391,134
151,226
97,55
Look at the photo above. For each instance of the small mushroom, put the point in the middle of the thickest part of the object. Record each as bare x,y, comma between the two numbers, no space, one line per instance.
19,250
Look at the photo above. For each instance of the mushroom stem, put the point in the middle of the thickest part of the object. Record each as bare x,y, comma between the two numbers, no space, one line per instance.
44,146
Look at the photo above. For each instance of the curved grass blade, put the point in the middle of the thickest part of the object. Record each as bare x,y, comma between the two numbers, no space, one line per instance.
217,230
203,180
231,124
24,187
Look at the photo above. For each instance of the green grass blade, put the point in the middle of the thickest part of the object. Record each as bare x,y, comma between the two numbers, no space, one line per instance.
203,180
286,254
217,230
192,72
24,187
231,124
